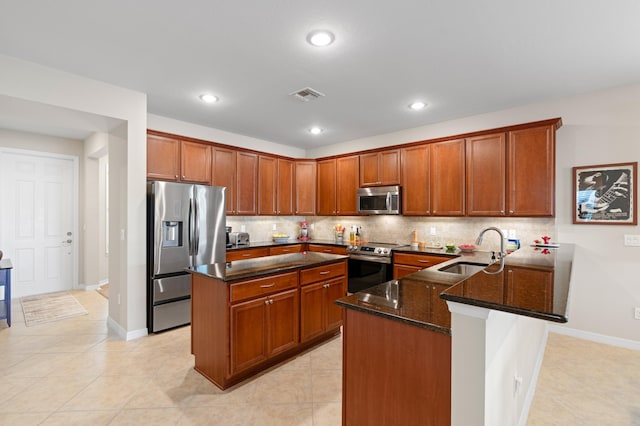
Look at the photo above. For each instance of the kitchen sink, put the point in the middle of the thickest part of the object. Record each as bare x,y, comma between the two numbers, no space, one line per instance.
463,268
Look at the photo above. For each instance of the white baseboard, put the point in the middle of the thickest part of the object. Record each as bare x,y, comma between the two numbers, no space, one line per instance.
526,406
119,333
595,337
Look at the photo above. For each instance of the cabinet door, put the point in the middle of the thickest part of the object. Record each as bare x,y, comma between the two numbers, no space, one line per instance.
347,185
415,181
267,180
400,271
335,289
531,172
244,254
195,162
282,322
529,288
248,334
486,287
163,158
285,187
312,312
224,174
486,175
321,248
326,205
246,185
369,169
305,188
389,167
447,178
440,314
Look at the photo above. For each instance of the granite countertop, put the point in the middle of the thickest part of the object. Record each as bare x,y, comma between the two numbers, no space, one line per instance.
249,268
291,241
407,299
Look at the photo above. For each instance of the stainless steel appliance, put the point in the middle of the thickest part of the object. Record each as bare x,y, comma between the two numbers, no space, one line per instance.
379,200
369,265
185,227
238,239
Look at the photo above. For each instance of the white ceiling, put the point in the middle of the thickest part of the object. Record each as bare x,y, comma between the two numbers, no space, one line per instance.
462,57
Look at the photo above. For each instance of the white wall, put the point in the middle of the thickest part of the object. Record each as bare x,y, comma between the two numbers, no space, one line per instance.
24,80
598,128
169,125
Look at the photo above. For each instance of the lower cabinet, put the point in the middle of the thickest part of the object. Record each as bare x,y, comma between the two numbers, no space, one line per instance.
408,263
263,328
319,313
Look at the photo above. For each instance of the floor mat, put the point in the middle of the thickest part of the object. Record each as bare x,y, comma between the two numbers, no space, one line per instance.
46,308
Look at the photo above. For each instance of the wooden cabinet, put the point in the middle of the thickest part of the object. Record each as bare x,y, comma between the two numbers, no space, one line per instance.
267,185
326,188
319,288
486,175
163,158
275,186
408,263
439,309
262,328
380,168
248,253
285,189
305,187
295,248
246,183
322,248
416,180
529,288
487,287
531,171
224,174
447,178
179,161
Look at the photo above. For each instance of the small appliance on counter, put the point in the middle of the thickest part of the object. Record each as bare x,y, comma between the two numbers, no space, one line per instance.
304,231
237,239
228,230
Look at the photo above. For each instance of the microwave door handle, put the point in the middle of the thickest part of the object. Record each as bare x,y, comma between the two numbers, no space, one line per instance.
388,201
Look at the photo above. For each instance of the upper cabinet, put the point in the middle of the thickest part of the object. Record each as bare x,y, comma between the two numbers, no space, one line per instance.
380,168
337,184
267,185
486,175
305,187
246,183
224,174
284,197
447,178
531,167
326,188
179,161
416,180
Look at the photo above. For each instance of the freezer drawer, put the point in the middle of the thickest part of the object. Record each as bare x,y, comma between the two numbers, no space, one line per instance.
177,287
171,314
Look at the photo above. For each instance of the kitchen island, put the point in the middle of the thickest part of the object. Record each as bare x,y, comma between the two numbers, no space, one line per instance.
248,315
401,352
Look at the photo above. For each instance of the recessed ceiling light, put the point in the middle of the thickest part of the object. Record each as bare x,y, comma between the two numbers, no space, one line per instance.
418,105
208,98
320,38
315,130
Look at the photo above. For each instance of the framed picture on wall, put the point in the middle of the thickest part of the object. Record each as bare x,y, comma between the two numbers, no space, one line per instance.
605,194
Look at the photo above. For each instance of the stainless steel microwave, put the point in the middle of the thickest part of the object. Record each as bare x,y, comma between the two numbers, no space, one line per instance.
379,200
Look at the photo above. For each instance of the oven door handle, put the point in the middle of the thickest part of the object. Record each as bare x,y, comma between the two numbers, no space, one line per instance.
375,259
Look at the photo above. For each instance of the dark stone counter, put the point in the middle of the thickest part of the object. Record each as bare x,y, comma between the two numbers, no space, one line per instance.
290,242
242,269
534,283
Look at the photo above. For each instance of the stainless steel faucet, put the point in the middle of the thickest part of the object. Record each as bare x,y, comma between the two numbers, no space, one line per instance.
502,253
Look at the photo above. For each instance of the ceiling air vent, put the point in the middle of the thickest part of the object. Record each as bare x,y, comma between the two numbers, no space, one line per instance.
306,94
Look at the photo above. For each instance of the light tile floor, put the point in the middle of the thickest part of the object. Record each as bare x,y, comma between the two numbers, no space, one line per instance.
69,372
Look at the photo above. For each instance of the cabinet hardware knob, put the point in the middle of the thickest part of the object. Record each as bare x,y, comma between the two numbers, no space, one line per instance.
176,176
324,272
266,302
424,261
267,285
271,301
183,177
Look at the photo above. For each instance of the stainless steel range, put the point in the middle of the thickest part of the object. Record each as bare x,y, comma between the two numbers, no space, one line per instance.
369,265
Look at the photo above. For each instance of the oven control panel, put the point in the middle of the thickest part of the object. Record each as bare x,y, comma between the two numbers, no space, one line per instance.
370,250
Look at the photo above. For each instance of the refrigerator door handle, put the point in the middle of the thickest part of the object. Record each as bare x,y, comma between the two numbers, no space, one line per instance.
196,236
190,233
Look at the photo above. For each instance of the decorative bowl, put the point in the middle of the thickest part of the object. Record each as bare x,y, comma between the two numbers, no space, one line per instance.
467,248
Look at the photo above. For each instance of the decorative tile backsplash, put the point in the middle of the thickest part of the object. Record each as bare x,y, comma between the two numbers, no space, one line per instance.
398,229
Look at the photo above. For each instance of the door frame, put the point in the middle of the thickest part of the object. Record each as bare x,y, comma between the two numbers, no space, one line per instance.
75,194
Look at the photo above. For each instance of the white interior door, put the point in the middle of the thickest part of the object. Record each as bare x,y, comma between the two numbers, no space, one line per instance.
37,221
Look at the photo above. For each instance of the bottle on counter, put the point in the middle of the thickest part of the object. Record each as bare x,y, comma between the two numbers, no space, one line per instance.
357,237
352,236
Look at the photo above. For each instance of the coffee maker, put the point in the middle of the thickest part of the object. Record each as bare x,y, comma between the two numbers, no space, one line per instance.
304,231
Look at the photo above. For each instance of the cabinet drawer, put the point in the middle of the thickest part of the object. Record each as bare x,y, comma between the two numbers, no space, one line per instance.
322,272
263,286
418,259
320,248
246,254
294,248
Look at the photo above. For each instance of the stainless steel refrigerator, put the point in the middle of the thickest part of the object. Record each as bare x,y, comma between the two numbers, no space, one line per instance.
185,227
